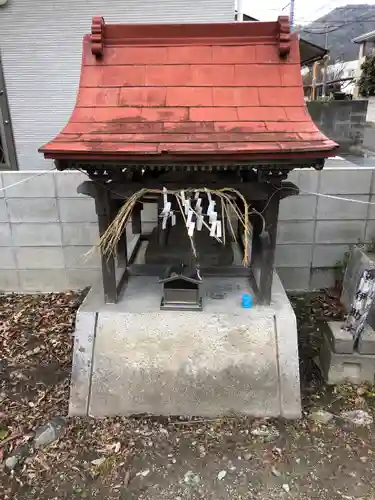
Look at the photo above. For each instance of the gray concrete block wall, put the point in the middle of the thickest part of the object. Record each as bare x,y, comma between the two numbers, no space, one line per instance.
342,121
47,230
323,229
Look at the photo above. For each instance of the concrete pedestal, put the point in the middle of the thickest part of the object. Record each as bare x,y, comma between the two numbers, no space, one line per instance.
132,358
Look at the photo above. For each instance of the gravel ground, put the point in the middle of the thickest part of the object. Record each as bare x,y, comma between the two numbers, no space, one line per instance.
172,459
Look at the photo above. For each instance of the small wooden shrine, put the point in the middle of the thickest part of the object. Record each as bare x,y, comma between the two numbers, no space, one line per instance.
174,114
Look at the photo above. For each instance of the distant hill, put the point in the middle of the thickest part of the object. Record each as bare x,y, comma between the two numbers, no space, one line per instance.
340,41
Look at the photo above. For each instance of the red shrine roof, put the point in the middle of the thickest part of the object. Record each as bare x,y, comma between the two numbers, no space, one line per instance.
181,91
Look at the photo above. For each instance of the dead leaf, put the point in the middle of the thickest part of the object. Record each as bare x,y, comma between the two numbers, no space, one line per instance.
3,434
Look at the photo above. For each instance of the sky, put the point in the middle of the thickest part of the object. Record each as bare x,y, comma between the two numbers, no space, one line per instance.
305,10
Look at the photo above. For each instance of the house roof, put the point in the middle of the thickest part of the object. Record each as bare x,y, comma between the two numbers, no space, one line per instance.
174,273
366,37
167,92
310,52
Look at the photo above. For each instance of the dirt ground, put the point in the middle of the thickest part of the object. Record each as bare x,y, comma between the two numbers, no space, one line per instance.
172,459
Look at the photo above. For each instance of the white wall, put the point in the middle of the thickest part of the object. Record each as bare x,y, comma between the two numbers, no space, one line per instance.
40,42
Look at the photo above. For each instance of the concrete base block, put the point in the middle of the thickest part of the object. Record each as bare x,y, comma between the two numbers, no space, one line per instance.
339,368
222,360
366,343
341,340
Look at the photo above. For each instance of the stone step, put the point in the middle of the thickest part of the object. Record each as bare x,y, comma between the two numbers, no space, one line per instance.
366,343
338,368
341,341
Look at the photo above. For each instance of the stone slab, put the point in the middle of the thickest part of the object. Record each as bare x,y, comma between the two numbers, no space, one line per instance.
41,186
77,210
9,280
293,256
359,261
84,338
297,208
223,360
322,277
328,255
343,232
40,257
3,211
295,232
341,340
80,233
36,235
355,181
366,343
339,368
7,258
5,235
295,279
185,363
43,280
32,210
334,209
287,351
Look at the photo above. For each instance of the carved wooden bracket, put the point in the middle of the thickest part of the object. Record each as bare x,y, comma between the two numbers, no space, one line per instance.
97,36
284,36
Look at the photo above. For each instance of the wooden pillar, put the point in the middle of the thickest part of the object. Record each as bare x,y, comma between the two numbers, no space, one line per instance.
314,82
104,211
268,247
256,222
136,219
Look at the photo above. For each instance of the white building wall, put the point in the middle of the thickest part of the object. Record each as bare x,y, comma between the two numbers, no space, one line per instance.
40,41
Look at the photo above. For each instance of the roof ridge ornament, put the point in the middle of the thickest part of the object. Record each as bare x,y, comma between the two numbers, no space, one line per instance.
284,36
97,36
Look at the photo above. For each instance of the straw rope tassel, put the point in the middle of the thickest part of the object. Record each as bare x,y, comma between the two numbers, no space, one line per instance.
109,240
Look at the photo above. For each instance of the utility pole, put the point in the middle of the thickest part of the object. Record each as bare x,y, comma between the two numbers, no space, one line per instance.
291,14
240,10
313,83
325,67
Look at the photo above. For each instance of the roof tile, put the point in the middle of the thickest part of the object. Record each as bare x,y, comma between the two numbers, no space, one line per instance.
142,96
189,96
238,96
213,114
190,54
98,97
284,96
212,75
123,76
257,75
135,55
290,75
237,126
258,113
168,75
233,54
169,114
